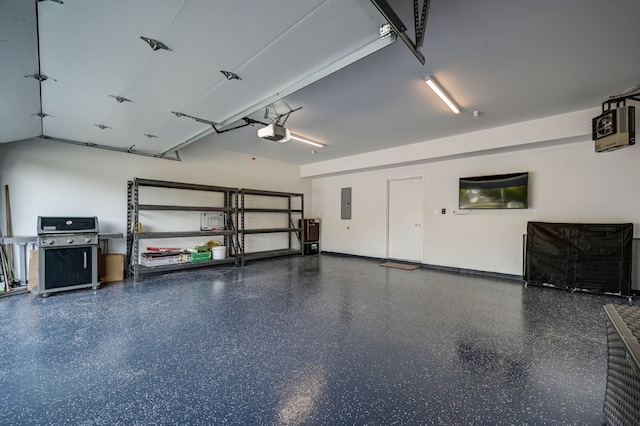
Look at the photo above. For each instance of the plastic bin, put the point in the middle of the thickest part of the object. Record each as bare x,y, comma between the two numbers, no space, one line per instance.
219,252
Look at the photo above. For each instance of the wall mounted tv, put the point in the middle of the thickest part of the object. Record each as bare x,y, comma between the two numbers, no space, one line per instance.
507,191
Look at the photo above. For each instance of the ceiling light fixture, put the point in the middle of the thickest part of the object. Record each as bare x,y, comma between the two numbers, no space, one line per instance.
307,141
435,86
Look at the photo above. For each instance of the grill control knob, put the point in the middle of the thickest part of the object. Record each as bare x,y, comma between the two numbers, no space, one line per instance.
70,240
87,240
48,242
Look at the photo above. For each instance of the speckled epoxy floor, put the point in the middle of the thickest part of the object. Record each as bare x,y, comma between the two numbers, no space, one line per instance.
321,340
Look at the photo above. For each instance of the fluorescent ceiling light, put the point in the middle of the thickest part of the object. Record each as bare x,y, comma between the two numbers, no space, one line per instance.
305,140
435,86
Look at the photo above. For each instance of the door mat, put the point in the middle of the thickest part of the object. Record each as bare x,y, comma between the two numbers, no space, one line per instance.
399,266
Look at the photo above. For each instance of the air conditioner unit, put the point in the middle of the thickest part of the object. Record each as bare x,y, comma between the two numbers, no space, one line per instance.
274,132
614,129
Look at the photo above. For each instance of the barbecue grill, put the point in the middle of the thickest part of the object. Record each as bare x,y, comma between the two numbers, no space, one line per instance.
67,255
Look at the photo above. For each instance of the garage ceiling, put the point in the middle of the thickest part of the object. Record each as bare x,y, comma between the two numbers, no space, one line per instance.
512,61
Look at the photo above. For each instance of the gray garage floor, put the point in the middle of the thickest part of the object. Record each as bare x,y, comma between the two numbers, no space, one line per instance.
313,340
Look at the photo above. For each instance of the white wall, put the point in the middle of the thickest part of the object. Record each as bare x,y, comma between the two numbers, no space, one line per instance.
569,182
56,179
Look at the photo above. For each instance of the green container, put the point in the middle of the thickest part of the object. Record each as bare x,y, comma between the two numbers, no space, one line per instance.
200,256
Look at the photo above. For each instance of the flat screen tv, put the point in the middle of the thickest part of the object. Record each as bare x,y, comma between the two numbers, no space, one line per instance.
507,191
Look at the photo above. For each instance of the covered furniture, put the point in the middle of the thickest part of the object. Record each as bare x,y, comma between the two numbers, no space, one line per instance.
580,256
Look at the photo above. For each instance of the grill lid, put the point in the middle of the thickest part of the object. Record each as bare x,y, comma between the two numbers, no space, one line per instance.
60,225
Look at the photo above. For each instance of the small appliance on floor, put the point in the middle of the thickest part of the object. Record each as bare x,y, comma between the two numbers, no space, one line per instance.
310,235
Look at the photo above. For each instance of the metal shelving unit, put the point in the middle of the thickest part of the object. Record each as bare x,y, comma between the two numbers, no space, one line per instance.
292,215
230,233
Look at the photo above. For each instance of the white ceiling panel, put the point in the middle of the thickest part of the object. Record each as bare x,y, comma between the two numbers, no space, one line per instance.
166,134
92,52
18,57
331,32
93,43
214,35
173,129
512,61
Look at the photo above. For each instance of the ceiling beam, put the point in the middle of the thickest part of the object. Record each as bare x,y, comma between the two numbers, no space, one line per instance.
162,156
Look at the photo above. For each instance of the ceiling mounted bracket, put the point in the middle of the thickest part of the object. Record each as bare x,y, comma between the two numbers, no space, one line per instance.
385,30
155,44
281,119
230,75
102,126
121,99
400,28
42,114
619,101
40,77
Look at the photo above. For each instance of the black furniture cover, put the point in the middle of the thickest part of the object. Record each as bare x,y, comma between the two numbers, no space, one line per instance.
584,256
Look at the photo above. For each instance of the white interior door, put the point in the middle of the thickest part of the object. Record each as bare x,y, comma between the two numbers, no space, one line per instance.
406,217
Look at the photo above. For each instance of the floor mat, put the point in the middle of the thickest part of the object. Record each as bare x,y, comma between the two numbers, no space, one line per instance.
399,266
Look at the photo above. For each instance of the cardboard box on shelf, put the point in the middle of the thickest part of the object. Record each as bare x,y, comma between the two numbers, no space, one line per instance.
163,258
